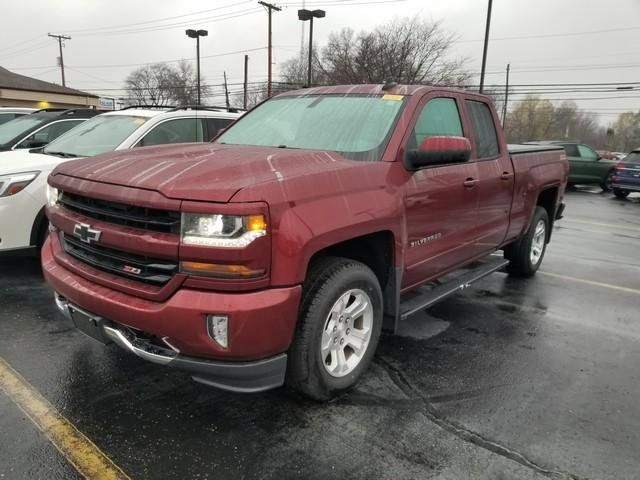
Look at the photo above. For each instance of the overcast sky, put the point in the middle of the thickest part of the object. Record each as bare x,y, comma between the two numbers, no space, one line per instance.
546,41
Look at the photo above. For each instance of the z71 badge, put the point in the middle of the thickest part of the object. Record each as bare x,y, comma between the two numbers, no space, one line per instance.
425,240
130,269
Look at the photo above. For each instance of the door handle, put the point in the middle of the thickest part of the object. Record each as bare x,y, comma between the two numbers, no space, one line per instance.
506,176
470,182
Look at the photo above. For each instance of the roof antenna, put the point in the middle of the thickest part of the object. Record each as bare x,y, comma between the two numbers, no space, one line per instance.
389,84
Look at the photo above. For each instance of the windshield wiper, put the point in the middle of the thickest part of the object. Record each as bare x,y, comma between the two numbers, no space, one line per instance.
61,154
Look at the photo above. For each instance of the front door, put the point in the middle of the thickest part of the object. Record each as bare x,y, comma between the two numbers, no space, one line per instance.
585,165
440,202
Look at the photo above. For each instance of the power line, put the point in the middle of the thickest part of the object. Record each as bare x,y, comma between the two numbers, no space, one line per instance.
159,20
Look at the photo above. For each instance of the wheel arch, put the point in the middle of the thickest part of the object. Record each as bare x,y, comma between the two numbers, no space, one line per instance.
377,251
39,224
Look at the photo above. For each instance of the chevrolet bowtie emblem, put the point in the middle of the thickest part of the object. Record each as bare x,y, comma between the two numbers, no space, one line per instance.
85,233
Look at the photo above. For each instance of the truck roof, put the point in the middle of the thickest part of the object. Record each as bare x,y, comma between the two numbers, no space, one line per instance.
372,89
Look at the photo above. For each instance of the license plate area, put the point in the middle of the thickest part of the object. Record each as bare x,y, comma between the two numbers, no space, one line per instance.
89,324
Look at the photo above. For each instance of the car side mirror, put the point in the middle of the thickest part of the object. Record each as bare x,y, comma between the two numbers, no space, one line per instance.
438,151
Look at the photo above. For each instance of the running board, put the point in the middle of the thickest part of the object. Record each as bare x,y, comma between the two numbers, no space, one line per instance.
455,282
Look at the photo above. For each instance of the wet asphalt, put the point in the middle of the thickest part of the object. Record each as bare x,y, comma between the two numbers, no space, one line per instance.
512,379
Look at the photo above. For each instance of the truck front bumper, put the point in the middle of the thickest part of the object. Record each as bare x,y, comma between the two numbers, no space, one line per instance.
174,333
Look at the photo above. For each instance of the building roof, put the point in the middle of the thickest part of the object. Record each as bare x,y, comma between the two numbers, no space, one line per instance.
21,82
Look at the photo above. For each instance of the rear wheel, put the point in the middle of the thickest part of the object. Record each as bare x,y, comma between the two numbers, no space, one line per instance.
338,329
618,192
525,255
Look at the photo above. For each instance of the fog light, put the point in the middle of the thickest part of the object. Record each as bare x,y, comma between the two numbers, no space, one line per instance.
217,329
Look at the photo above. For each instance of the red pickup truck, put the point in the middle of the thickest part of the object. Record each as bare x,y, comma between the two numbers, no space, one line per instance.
278,252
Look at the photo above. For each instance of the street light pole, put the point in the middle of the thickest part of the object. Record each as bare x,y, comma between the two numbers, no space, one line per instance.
309,79
197,34
486,45
305,15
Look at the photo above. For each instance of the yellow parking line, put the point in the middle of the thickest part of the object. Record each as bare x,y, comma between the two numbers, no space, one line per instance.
591,282
81,452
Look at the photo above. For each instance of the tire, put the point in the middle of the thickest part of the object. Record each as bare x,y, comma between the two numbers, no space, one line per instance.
523,261
606,184
315,368
618,192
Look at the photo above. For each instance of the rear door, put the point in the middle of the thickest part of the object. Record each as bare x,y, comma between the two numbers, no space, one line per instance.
495,177
215,125
440,209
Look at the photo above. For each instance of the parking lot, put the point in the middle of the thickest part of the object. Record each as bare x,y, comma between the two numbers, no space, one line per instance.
513,378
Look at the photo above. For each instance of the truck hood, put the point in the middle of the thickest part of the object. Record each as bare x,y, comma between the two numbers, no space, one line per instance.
201,172
17,161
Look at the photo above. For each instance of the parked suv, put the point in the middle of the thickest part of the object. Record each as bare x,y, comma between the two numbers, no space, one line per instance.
279,251
586,165
41,127
626,178
22,219
10,113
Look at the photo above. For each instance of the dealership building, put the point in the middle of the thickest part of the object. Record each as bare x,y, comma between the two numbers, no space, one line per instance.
22,91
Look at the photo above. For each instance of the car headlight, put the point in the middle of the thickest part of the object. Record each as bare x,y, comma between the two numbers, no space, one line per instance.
52,196
15,182
226,231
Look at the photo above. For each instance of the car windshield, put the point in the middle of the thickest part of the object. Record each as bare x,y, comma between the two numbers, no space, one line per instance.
103,133
17,126
356,126
633,157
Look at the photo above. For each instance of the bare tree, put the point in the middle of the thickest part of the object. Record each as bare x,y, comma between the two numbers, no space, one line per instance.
626,131
184,89
161,84
408,50
538,119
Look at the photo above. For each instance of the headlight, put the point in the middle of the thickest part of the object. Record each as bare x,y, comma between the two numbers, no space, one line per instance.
230,231
15,182
52,195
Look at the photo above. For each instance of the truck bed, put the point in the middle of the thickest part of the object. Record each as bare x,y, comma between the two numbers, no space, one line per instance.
516,149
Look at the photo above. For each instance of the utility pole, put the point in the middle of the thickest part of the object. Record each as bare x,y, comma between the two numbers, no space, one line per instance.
270,7
226,90
486,45
60,38
246,76
506,98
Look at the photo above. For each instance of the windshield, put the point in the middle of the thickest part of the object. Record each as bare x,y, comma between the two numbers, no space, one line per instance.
633,157
356,126
103,133
17,126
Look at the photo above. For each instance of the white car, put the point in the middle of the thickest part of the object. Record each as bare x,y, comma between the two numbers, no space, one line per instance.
9,113
23,173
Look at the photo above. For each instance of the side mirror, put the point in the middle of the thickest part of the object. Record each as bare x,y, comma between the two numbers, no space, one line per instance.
438,151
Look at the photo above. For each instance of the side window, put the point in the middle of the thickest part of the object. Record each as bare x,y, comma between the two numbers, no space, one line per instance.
48,133
586,153
571,150
439,117
484,130
180,130
217,124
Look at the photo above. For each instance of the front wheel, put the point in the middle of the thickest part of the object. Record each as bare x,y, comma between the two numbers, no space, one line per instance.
618,192
338,329
525,255
606,184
